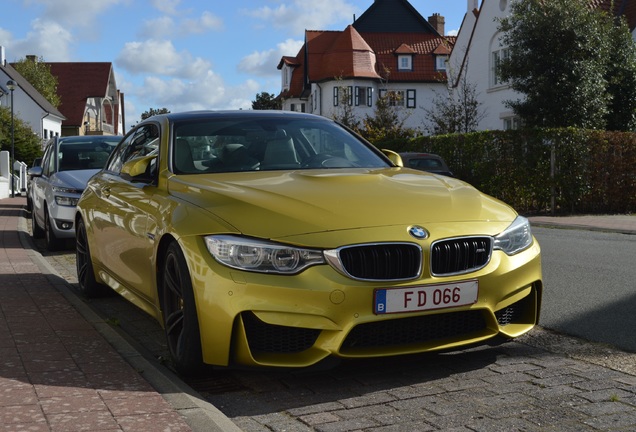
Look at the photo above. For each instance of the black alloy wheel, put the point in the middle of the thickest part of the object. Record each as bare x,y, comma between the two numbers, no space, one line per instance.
180,314
88,285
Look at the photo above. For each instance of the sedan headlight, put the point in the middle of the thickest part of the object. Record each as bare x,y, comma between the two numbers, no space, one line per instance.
515,238
66,200
261,256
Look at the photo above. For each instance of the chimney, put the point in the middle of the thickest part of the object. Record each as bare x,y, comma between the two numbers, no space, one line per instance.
437,21
3,57
32,58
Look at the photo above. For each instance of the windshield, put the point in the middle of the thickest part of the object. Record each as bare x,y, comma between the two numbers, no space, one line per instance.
78,155
227,144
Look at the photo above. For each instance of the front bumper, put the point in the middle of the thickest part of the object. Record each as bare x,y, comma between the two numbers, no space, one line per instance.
297,321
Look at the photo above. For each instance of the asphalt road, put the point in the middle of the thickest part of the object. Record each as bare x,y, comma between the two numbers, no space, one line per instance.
590,285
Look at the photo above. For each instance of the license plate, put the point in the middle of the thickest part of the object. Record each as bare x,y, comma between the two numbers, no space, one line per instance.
426,297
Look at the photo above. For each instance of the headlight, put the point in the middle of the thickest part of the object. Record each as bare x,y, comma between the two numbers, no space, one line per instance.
515,238
60,189
65,200
261,256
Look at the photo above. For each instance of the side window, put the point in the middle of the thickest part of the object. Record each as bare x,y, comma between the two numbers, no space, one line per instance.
48,162
140,142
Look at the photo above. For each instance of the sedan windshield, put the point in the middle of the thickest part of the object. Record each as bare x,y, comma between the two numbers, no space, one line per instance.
236,144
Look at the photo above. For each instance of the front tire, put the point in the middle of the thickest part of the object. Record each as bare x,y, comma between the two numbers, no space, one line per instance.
52,242
88,285
37,232
181,322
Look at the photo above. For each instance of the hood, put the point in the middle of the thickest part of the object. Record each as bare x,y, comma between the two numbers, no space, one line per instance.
74,179
278,204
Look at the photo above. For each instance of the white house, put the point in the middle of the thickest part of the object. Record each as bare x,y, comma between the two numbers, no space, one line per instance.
478,48
30,107
390,50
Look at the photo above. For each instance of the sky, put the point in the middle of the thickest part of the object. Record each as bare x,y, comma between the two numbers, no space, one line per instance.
184,54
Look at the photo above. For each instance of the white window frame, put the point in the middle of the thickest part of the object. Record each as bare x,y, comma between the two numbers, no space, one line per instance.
440,62
405,62
495,59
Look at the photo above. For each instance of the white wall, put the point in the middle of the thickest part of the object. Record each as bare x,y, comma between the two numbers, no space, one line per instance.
477,65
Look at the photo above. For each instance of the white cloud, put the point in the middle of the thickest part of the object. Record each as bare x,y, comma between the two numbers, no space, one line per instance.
75,13
207,93
206,22
263,63
166,6
158,28
301,15
46,39
166,27
161,58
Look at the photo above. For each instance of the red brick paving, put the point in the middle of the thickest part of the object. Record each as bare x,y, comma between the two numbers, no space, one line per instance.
57,373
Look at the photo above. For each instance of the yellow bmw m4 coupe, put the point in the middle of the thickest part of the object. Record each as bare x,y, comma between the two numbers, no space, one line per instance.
274,238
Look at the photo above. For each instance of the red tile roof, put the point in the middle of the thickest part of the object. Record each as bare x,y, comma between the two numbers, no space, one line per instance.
76,83
349,54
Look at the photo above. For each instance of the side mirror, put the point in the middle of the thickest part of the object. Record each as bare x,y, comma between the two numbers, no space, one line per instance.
137,169
35,171
393,157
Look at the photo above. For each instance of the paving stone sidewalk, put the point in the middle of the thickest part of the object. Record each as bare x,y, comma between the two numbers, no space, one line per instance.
57,372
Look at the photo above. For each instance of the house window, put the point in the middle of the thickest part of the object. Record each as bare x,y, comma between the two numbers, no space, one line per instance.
361,97
369,96
394,97
510,123
410,98
298,107
496,58
344,93
440,62
405,62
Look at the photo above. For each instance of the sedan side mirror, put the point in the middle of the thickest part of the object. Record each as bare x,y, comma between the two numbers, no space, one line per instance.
35,171
393,157
138,169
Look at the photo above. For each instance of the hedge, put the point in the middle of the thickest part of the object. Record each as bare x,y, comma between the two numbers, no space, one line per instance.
559,171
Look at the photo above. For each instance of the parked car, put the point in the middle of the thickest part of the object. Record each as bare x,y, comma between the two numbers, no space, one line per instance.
56,185
426,162
29,201
279,239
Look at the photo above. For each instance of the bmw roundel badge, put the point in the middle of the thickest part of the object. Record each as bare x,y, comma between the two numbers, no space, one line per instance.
418,232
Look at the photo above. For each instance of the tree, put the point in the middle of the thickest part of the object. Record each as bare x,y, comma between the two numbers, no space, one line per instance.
456,110
152,111
621,78
344,112
386,124
558,56
266,101
39,75
27,145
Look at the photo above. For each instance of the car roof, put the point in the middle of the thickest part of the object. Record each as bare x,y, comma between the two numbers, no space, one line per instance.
190,115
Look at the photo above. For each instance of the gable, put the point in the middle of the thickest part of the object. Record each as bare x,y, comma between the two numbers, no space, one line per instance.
78,82
386,16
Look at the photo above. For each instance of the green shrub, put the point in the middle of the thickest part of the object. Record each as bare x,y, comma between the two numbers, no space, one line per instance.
541,170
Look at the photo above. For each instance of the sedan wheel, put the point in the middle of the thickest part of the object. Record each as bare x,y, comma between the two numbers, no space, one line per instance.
52,242
38,232
88,285
180,314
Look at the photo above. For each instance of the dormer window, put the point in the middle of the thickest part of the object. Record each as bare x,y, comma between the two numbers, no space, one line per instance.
405,62
440,62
